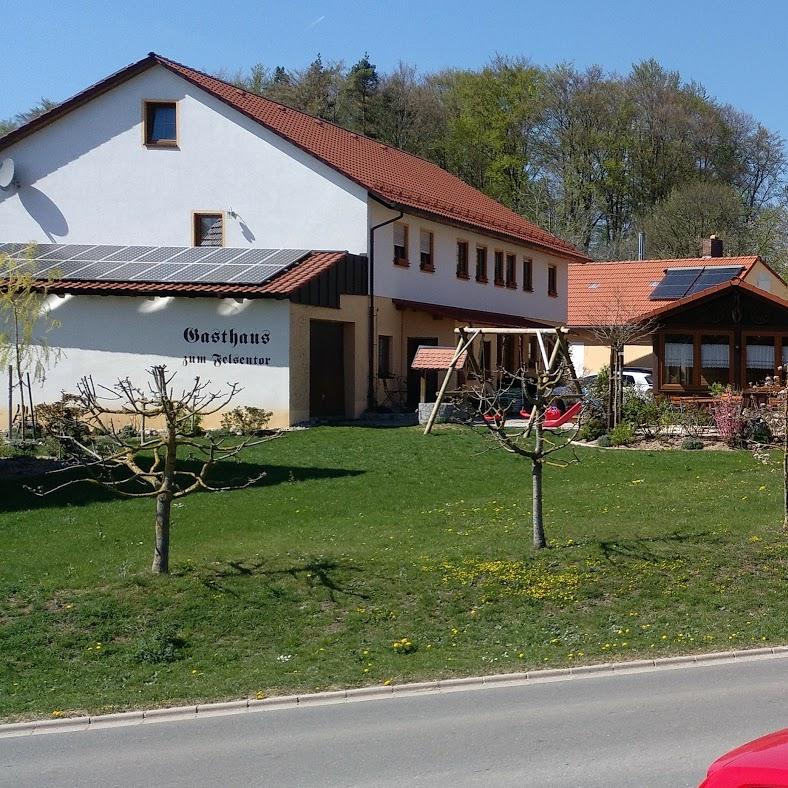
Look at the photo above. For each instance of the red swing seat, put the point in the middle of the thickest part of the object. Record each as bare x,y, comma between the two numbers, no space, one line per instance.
554,418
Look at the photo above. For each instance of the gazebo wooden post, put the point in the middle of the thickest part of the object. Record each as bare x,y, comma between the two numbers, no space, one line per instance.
423,386
463,343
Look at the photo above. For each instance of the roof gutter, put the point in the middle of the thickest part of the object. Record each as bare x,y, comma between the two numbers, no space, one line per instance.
371,316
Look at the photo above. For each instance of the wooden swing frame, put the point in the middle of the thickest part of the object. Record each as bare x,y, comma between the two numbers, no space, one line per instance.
551,359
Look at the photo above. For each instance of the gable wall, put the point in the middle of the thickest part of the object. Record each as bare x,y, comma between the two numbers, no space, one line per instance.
87,178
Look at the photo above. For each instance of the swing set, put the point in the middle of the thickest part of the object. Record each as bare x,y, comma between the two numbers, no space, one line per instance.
552,358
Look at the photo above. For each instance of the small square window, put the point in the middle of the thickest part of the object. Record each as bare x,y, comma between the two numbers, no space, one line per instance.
400,243
208,229
161,127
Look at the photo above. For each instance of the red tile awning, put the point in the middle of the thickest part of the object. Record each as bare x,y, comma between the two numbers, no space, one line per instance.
431,357
471,316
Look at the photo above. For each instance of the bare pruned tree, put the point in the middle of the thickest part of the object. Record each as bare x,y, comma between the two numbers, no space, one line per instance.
526,397
618,324
115,462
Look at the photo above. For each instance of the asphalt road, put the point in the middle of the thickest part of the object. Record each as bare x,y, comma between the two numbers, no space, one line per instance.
647,730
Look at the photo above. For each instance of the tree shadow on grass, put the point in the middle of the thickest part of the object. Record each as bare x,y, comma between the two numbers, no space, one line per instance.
316,573
18,494
652,548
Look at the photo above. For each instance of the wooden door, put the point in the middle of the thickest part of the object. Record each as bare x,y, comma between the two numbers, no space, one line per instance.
326,369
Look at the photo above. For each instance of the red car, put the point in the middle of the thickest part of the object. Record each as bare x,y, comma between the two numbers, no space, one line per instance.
762,763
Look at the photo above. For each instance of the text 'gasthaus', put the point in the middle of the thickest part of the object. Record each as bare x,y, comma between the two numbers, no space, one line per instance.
227,336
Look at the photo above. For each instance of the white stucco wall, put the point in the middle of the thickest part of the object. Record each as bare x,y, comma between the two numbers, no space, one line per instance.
443,286
112,337
87,178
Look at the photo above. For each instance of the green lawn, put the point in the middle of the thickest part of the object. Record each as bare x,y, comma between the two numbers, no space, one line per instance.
361,537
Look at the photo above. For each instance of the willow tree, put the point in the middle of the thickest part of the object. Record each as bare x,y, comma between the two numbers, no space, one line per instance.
25,323
147,466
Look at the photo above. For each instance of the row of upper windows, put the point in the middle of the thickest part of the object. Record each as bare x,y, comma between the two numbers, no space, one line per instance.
504,263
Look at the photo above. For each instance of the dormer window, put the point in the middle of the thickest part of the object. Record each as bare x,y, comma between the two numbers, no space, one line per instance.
161,123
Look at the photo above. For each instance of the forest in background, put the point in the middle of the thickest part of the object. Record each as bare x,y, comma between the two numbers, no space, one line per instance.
591,156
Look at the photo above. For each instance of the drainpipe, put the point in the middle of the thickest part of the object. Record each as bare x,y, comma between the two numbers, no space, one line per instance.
371,338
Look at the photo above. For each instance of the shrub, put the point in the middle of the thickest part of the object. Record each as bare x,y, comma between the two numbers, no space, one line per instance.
623,434
159,646
591,429
246,420
692,444
63,417
726,410
694,420
757,430
603,441
645,413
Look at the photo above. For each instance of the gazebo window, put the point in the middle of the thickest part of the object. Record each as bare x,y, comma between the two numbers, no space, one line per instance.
760,359
715,359
679,359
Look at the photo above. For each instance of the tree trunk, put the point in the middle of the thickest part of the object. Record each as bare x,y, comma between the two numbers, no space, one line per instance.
611,389
536,480
161,550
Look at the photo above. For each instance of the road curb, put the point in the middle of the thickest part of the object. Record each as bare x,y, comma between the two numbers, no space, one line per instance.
194,711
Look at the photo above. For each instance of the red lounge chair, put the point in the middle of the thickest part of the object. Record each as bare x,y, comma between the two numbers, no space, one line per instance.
552,421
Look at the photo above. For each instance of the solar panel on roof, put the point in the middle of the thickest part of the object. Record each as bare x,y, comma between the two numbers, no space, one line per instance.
196,254
159,273
675,283
255,256
62,269
90,270
124,271
129,253
259,274
714,275
188,273
225,255
285,257
96,253
160,254
155,264
225,273
12,249
64,251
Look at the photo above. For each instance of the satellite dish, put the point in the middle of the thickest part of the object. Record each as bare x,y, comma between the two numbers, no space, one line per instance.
6,173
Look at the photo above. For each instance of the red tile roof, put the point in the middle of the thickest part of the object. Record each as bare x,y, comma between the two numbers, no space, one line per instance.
597,290
437,358
388,173
283,285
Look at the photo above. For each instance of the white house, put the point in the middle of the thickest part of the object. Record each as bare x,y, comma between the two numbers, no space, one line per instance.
370,251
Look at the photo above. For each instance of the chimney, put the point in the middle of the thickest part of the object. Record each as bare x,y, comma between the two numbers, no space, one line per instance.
711,247
641,245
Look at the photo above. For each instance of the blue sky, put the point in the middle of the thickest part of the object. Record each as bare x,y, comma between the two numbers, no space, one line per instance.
738,50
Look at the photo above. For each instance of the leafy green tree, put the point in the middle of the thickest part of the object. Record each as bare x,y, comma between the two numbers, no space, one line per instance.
24,326
360,94
676,225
